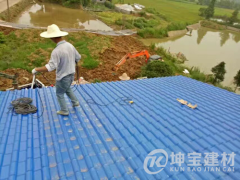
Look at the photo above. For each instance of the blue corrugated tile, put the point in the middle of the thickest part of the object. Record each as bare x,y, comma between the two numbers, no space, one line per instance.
111,142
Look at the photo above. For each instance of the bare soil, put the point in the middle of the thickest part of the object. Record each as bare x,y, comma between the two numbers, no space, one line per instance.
6,30
120,47
108,58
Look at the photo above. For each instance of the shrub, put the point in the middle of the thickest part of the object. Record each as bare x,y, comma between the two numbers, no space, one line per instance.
128,25
225,87
142,13
195,73
109,5
202,12
212,25
119,22
152,32
138,25
157,69
2,38
166,55
176,26
155,12
219,72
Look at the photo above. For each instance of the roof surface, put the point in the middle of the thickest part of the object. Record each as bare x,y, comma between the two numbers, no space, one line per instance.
112,142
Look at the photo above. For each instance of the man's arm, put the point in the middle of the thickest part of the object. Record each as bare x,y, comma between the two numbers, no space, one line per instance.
77,56
52,65
41,69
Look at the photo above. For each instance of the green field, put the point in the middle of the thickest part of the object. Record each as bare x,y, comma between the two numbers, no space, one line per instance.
178,11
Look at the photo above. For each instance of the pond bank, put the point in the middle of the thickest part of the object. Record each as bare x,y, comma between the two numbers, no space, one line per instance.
14,26
15,10
205,49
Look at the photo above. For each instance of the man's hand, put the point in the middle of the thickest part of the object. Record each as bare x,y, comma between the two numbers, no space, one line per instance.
34,71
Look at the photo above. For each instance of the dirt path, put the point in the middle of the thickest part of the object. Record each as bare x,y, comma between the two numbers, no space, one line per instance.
3,4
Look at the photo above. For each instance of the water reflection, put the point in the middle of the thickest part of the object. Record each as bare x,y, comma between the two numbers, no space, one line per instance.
224,37
236,37
206,48
201,33
46,13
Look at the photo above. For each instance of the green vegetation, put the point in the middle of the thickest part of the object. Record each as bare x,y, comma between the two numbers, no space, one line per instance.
26,49
153,32
237,80
96,81
2,38
97,7
208,12
109,5
195,73
157,69
222,3
73,3
234,17
225,87
178,11
219,72
156,13
111,18
177,68
212,25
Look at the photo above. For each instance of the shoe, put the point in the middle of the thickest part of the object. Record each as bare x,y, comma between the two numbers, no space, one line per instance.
76,105
63,113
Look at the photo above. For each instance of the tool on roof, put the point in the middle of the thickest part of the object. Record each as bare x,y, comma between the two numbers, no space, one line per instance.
23,106
187,104
191,106
182,101
137,54
33,81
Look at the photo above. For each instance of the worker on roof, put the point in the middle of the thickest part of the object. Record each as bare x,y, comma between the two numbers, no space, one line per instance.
63,59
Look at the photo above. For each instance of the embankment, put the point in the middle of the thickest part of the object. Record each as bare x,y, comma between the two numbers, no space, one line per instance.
184,31
177,33
15,10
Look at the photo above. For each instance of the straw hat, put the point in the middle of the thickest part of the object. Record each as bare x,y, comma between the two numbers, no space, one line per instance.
124,77
53,31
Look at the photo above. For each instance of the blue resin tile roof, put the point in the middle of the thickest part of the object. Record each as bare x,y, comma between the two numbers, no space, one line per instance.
111,142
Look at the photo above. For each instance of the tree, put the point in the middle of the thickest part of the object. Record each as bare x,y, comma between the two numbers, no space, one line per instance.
219,72
234,17
202,12
209,12
157,69
237,80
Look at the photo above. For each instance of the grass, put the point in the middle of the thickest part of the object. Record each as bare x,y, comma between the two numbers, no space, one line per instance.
212,25
25,49
111,17
178,11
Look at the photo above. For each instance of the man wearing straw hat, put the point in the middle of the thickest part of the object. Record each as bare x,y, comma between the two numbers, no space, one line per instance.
63,59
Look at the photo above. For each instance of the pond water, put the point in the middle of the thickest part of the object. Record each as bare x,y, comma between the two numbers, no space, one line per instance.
205,49
45,14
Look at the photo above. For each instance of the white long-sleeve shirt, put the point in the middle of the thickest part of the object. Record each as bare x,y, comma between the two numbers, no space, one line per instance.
63,59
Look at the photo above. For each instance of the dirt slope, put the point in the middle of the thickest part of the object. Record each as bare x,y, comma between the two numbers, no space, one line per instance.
120,46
